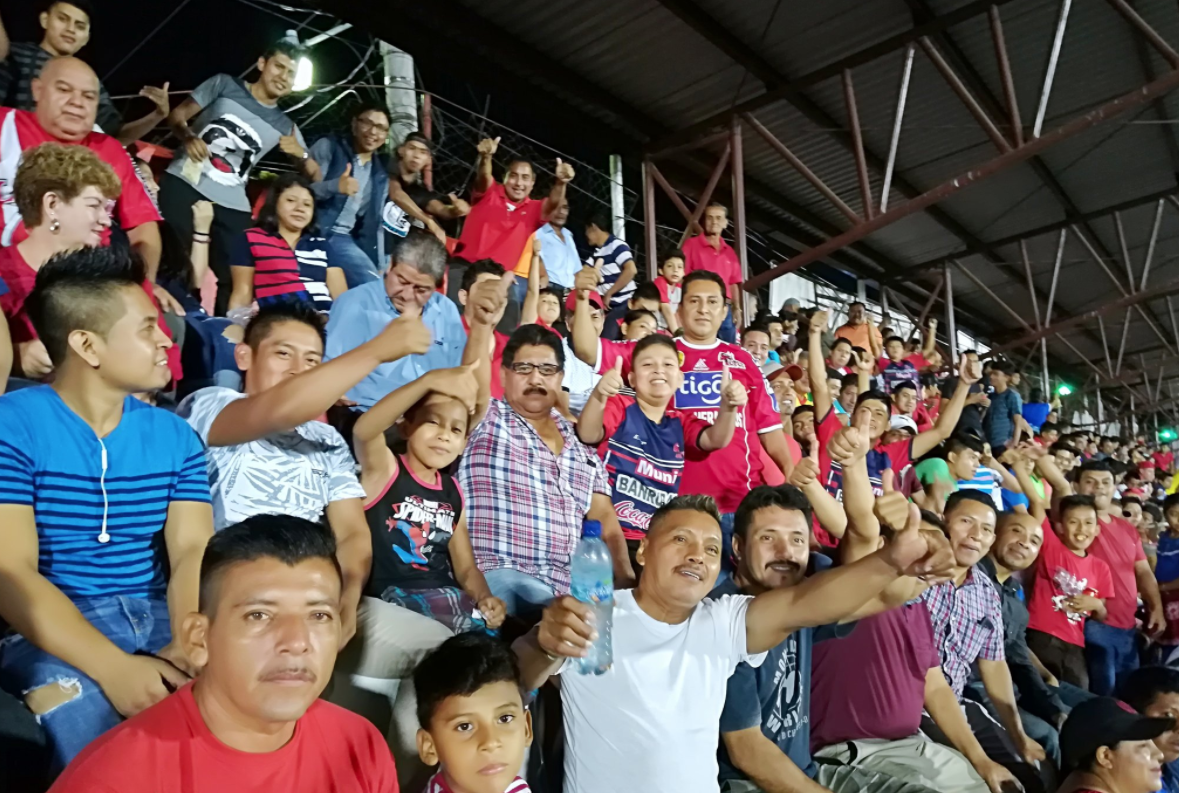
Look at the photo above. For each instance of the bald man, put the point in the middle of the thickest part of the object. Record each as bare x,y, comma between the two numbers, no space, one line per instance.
66,96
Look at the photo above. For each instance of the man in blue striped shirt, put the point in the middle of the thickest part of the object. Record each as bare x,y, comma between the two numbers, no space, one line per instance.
104,502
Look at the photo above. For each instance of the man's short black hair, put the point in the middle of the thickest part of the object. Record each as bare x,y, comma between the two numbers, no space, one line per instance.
654,340
646,291
891,339
476,269
872,395
677,253
960,440
364,107
418,137
756,327
1171,501
291,49
268,214
293,310
841,340
533,336
85,6
801,409
703,275
1048,426
600,219
1095,466
929,380
1140,688
286,538
1003,365
851,379
904,385
691,503
79,291
1128,500
964,494
459,667
1069,503
786,497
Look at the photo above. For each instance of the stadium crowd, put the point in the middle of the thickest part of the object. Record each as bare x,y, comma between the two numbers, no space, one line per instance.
290,491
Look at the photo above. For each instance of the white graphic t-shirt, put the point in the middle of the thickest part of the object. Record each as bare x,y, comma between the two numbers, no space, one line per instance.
298,472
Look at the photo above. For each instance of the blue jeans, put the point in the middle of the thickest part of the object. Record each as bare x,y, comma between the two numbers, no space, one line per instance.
1109,653
358,267
132,624
522,594
728,331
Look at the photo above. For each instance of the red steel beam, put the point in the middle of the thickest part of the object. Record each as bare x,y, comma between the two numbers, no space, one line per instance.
801,167
1005,75
738,169
649,222
671,193
957,86
706,196
1111,109
1144,27
853,117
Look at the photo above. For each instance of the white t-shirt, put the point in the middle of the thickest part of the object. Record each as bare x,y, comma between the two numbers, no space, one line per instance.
298,472
652,722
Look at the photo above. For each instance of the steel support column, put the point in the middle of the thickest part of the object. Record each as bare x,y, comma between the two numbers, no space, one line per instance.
706,196
1001,58
649,230
1116,107
1050,74
951,325
898,120
737,155
853,120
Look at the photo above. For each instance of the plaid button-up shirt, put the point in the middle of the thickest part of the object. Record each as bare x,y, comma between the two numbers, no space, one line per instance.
524,504
967,625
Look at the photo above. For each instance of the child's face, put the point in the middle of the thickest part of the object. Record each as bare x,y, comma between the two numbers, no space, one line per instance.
549,309
655,374
641,328
895,350
1132,512
479,740
757,344
1078,528
1172,516
438,431
673,270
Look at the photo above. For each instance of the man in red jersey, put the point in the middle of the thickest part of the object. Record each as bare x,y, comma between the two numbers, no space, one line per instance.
726,474
266,639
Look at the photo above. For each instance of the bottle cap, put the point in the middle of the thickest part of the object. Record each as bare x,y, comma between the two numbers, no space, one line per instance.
591,528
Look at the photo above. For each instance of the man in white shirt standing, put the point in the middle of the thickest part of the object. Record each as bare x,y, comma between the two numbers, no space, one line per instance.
651,721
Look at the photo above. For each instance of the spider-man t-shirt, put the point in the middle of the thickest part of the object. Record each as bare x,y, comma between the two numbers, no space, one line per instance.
411,523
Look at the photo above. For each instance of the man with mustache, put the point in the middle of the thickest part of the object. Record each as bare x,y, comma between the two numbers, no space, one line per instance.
265,639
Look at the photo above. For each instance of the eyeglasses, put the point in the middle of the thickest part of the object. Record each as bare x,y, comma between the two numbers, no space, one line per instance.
366,124
545,369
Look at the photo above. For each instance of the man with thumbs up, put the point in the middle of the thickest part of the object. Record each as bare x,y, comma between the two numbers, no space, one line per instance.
350,196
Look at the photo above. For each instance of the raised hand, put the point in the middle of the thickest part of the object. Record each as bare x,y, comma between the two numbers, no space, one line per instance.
565,629
892,508
489,298
458,382
458,205
864,363
819,321
611,383
969,371
910,553
289,144
588,278
348,184
563,172
159,96
806,470
488,146
733,393
852,442
406,335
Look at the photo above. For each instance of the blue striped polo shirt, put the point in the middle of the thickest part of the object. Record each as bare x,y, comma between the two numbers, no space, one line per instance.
51,460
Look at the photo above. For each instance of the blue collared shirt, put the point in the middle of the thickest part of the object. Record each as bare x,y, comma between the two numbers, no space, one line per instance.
561,260
361,313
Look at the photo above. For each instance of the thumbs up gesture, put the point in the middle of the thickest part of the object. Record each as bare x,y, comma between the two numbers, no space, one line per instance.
892,508
406,335
290,144
563,172
851,443
348,184
458,382
922,554
489,298
611,382
806,470
588,278
733,394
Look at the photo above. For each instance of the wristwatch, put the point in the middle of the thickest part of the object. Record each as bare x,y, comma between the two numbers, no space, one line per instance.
306,154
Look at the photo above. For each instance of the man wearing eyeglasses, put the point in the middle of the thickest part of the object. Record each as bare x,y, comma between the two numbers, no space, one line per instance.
349,198
529,483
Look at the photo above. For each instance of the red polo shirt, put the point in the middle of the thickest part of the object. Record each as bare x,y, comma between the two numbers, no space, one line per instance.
497,229
1118,545
700,255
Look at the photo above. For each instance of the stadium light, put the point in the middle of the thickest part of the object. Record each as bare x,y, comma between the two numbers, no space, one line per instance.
1063,390
304,72
1167,434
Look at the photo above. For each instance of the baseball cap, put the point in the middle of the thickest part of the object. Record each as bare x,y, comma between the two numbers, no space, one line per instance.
772,369
795,372
902,422
1104,721
571,301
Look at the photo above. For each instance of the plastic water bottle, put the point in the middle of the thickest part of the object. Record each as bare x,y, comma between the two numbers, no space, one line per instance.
593,583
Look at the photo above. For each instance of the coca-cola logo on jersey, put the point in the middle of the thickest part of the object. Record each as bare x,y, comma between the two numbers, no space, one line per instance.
700,390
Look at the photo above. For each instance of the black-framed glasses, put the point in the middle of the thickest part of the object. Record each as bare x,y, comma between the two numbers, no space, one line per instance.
545,369
366,124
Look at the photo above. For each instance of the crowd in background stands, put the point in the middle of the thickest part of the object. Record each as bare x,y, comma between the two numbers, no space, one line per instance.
290,485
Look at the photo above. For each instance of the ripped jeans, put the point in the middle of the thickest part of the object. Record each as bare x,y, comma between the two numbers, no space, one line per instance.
134,625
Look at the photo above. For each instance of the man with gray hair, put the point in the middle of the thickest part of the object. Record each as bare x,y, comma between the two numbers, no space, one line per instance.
409,287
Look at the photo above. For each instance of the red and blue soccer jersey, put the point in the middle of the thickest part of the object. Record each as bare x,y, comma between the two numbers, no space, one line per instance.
645,460
726,474
896,372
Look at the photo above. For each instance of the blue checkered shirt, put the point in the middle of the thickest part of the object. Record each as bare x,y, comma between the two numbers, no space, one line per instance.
524,504
967,624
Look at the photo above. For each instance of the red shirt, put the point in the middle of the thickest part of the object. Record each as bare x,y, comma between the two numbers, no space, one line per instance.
726,474
1119,546
1055,564
498,230
20,131
1164,460
168,747
700,255
497,358
20,278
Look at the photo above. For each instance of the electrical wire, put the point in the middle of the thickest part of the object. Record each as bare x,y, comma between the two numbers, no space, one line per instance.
144,40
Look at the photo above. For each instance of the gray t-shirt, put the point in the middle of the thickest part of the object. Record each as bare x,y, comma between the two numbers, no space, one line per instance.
357,203
239,131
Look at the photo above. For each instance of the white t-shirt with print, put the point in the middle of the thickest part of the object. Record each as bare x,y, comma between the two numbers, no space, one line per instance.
298,472
652,721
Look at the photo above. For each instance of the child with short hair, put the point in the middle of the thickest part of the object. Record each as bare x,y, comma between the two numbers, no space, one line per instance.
638,324
641,441
1069,585
671,275
474,725
422,555
895,367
